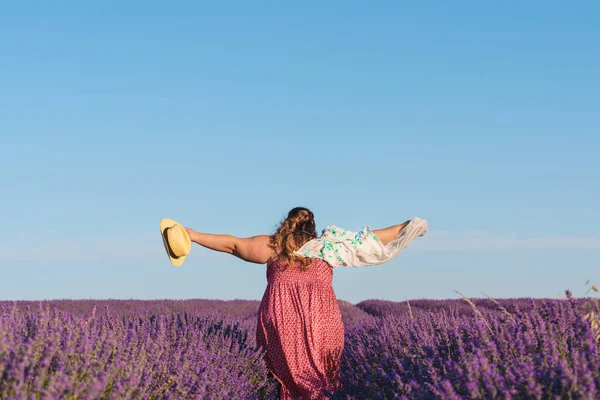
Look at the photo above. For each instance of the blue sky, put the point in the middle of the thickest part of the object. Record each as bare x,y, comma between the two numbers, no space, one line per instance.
481,118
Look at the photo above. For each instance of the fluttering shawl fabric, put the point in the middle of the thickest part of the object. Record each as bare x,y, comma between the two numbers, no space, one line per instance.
344,248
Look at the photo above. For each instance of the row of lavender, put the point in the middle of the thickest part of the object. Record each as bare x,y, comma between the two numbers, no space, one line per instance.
534,349
108,355
450,349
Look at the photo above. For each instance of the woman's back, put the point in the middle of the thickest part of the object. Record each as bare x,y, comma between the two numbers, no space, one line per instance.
319,272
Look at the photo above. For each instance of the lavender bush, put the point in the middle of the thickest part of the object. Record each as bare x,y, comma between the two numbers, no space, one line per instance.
547,351
54,354
452,349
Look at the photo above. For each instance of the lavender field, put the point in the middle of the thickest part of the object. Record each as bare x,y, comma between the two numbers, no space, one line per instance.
514,348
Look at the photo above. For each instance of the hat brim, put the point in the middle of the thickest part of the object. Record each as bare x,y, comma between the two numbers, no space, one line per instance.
164,224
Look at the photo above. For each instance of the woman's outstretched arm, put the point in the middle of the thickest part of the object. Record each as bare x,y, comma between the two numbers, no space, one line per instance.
254,249
386,235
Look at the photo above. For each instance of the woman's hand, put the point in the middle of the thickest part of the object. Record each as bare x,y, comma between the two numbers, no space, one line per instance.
192,234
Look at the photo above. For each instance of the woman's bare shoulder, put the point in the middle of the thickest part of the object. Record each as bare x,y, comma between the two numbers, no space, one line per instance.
255,249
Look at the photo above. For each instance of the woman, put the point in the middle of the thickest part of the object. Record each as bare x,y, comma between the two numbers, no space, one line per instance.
299,320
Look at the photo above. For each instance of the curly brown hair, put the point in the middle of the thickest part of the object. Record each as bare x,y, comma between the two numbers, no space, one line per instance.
294,231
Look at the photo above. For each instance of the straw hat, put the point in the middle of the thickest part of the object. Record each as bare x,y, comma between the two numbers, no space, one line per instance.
176,240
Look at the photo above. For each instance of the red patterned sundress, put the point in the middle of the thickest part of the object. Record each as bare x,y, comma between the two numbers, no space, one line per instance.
300,326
